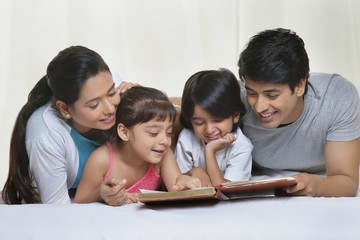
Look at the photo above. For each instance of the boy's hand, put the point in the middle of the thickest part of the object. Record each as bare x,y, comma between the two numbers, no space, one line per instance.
220,143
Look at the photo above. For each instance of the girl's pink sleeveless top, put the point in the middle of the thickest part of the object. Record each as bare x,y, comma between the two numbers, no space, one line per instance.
150,181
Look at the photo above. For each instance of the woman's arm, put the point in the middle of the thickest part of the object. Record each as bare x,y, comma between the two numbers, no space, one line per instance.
48,167
342,167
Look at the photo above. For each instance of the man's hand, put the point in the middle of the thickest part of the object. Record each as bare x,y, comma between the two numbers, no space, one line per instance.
306,185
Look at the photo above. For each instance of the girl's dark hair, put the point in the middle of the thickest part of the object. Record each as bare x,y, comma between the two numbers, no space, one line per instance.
66,74
140,105
216,91
275,56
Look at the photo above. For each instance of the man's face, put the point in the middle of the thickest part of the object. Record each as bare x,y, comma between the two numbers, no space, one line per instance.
275,104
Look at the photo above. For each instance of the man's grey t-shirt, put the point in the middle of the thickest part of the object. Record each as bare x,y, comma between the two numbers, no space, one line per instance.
331,113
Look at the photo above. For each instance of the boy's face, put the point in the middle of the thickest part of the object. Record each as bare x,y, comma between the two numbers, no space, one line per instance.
275,104
209,128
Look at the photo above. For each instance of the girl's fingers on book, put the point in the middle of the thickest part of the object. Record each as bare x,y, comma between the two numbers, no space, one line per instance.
206,183
178,187
192,183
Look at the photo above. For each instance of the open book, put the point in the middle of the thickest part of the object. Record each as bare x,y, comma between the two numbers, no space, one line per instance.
225,191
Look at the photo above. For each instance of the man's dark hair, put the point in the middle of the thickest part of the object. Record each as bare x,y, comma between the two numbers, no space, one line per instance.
275,56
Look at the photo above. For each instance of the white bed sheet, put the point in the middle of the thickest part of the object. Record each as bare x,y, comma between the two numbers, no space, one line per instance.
260,218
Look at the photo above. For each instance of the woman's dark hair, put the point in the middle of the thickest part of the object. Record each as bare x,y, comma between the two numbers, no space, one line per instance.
66,74
140,105
275,56
216,91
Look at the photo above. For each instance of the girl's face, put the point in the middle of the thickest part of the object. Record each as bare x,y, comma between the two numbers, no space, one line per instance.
97,104
208,128
151,140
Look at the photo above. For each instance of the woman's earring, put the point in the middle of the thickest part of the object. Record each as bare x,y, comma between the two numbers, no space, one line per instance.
67,116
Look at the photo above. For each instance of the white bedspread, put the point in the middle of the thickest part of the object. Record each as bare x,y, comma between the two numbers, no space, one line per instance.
261,218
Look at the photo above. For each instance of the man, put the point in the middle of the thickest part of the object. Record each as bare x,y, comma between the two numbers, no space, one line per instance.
299,122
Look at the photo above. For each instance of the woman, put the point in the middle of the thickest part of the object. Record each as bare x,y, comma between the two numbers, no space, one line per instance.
62,122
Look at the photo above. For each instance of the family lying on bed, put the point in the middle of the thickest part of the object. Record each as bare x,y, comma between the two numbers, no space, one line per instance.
75,136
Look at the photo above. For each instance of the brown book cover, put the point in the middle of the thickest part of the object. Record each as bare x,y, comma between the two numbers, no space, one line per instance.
225,191
254,188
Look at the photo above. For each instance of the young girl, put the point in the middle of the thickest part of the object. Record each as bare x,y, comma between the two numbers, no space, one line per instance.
212,139
133,159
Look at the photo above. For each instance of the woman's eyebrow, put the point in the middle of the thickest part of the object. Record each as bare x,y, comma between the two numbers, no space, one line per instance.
93,99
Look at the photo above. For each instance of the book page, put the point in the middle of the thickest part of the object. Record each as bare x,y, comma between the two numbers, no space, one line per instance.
205,191
150,191
233,183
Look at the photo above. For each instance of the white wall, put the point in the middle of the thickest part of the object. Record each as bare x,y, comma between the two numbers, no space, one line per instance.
160,43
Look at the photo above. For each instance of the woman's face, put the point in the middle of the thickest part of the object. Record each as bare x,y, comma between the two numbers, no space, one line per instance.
97,104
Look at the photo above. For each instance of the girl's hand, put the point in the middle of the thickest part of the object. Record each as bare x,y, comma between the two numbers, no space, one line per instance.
200,173
306,186
124,86
132,198
220,143
186,182
112,191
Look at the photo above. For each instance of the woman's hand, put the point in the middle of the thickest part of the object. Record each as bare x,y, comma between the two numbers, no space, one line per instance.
124,86
112,191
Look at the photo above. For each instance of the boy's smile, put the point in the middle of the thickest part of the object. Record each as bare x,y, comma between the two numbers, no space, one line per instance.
208,128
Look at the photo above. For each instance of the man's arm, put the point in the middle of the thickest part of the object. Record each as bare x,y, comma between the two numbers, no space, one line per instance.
342,167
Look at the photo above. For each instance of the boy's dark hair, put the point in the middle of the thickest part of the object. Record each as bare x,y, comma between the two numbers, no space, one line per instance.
139,105
216,91
275,56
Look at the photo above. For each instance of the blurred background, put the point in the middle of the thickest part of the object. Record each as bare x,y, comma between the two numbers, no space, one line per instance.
161,43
